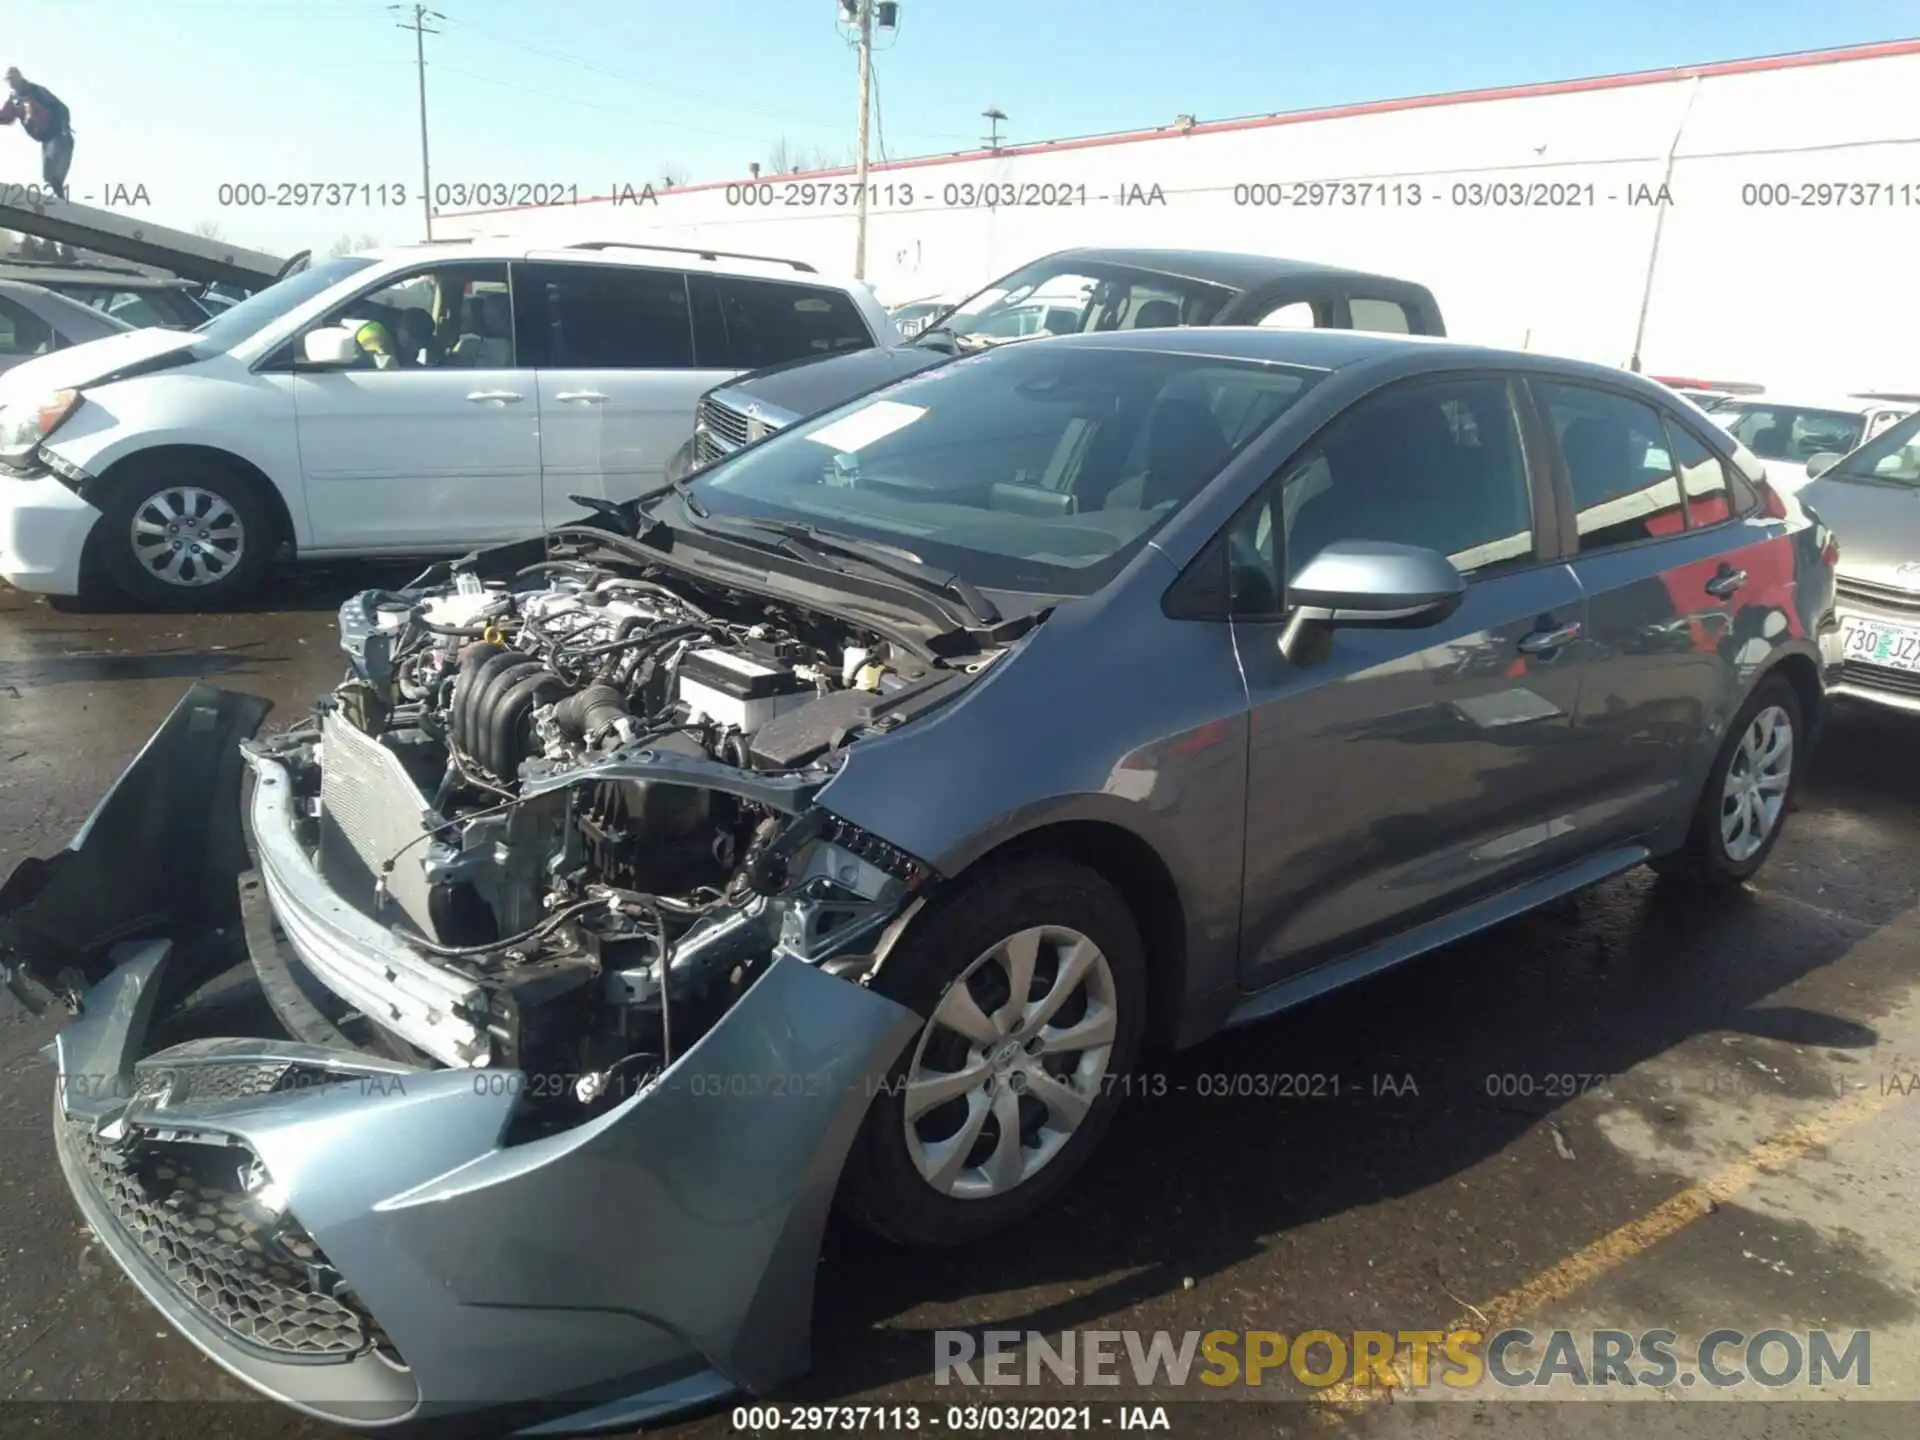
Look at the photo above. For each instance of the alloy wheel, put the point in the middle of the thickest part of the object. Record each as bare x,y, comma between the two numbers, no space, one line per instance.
1755,792
184,535
1011,1062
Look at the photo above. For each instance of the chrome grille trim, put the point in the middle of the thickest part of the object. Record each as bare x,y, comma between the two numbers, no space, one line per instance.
1872,592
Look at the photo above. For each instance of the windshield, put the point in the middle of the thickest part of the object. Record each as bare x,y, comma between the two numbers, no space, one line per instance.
254,314
1893,454
1788,432
1062,295
1037,469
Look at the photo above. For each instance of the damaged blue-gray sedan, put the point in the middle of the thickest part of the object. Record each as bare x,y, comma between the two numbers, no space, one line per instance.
836,825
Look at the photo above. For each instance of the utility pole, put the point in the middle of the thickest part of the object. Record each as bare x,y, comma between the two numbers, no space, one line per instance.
418,25
993,114
860,178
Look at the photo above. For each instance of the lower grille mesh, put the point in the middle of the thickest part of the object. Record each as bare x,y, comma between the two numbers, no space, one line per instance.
253,1275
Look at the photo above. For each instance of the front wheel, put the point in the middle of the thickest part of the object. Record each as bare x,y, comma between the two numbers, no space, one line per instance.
1744,805
1033,980
183,536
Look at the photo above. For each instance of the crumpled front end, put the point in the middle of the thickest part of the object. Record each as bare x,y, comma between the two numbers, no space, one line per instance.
406,1210
360,1239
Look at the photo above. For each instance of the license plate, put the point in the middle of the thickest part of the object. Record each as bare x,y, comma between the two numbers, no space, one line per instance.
1875,642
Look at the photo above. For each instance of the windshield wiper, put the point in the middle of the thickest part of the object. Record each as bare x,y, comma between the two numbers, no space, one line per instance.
807,544
894,561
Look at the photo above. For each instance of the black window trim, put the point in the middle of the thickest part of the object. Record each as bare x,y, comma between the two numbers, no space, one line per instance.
1196,595
1568,538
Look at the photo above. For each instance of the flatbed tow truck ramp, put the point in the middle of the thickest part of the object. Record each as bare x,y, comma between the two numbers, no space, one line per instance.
125,237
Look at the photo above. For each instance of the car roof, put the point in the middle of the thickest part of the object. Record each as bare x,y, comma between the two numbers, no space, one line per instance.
49,304
1354,350
718,262
1237,270
48,276
1844,404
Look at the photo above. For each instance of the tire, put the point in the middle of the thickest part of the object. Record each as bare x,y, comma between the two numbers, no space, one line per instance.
889,1187
1710,855
233,551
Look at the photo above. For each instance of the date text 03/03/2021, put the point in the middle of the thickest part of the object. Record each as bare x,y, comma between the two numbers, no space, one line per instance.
946,1419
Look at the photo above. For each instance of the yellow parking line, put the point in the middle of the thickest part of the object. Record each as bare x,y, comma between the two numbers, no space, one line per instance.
1617,1247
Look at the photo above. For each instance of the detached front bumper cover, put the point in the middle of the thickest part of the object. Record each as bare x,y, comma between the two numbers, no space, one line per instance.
357,1238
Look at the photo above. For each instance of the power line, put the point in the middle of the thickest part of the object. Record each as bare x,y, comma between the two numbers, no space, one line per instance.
650,81
420,32
598,105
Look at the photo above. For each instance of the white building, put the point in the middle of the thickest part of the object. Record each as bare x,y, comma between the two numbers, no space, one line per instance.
1765,212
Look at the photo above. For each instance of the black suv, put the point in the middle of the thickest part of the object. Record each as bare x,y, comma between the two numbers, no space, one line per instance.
1070,292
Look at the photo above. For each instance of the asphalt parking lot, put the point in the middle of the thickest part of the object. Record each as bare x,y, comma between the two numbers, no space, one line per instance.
1749,1159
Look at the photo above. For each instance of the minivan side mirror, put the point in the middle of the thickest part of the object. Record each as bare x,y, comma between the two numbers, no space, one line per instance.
1376,584
330,346
1818,465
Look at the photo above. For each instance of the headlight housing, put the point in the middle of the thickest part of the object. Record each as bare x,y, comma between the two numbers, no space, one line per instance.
24,426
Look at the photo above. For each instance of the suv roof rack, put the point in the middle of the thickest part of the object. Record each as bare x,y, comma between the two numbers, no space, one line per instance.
702,252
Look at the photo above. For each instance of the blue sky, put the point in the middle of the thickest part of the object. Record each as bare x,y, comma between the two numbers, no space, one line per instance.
181,96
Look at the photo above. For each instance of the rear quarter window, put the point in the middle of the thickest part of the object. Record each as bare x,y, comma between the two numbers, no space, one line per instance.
769,322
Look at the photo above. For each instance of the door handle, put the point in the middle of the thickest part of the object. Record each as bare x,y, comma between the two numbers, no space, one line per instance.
494,397
1726,582
1541,640
591,397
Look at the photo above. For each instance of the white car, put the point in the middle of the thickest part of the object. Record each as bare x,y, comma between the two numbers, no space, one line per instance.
415,401
1787,431
35,321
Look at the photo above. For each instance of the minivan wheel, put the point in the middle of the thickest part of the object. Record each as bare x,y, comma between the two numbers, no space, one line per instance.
1033,980
1743,807
186,536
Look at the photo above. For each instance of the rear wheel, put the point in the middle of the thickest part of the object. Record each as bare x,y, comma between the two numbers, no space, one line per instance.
1743,807
186,535
1033,980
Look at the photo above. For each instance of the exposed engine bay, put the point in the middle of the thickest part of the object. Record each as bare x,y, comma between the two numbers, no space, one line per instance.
581,801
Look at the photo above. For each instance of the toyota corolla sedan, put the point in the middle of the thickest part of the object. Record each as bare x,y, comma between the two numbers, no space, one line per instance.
834,828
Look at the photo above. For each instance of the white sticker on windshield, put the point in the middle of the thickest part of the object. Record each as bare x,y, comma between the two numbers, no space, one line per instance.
863,427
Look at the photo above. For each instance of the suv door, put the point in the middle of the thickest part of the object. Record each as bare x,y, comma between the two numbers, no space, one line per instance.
617,372
1402,772
430,440
1687,581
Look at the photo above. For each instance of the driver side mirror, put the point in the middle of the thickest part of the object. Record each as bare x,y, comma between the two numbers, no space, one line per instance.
1373,584
329,347
1818,465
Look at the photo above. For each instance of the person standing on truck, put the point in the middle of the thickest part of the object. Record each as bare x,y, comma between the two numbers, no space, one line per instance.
43,115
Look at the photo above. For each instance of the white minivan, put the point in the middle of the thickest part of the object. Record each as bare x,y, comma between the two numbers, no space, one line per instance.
416,401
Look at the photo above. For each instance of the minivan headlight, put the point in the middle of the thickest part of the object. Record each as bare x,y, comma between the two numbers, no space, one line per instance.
24,426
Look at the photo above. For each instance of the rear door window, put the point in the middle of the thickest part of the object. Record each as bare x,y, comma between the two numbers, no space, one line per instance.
769,322
1713,491
602,317
1616,454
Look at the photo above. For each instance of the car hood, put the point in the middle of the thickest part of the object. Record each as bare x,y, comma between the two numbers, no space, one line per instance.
809,386
94,361
1878,527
